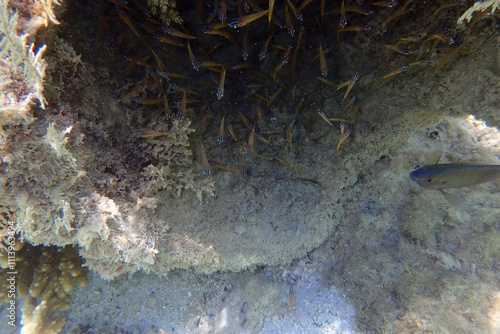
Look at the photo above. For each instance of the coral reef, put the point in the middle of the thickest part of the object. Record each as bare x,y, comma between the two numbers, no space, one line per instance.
123,161
39,175
21,67
51,195
53,279
46,277
66,209
10,240
108,162
165,10
478,11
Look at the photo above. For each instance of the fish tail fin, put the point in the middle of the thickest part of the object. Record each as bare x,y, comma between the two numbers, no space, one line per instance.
454,200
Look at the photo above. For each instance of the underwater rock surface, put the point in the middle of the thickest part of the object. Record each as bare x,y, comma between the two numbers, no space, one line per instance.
279,186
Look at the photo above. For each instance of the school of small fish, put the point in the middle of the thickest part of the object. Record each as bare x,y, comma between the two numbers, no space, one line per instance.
244,67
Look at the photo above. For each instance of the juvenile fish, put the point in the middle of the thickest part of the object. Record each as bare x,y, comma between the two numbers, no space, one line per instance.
343,19
322,62
194,62
249,149
291,300
220,88
182,108
204,160
220,137
442,176
244,20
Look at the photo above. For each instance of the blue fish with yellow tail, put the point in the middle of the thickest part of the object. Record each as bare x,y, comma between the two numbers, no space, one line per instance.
442,176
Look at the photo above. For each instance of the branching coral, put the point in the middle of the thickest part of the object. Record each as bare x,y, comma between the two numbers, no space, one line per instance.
174,172
53,279
165,10
46,276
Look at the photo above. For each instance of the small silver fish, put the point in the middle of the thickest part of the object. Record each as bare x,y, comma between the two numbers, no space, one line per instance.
442,176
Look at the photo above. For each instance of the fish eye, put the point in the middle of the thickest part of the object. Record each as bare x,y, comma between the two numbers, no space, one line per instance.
428,180
434,135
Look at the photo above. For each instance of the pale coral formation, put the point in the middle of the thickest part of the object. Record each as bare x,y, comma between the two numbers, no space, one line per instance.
165,10
114,235
56,197
174,148
39,176
480,8
109,169
20,65
10,240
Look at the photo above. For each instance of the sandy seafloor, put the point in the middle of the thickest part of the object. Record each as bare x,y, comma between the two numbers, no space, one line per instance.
221,303
400,258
